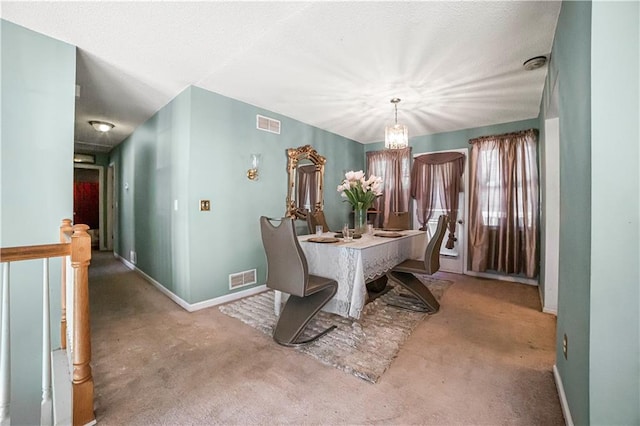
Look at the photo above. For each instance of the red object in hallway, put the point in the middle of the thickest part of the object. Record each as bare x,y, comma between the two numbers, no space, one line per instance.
86,204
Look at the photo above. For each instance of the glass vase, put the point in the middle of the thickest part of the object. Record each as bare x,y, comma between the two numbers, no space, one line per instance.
360,220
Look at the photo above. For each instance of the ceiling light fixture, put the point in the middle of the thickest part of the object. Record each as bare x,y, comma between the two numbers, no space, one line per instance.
535,63
396,136
101,126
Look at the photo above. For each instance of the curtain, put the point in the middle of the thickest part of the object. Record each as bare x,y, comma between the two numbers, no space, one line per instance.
437,175
394,166
503,211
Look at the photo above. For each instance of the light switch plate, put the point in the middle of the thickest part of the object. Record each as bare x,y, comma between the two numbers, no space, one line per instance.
205,205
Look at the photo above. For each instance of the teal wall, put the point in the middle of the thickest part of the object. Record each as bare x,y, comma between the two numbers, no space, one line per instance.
460,138
596,62
571,62
197,147
614,364
152,169
36,190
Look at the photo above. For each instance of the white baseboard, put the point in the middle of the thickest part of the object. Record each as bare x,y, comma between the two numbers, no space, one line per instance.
192,307
546,309
563,397
62,389
124,261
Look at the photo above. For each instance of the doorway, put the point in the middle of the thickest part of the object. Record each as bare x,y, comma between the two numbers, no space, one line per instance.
88,201
451,259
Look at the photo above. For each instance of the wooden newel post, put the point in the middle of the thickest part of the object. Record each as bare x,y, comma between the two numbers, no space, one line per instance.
65,230
82,378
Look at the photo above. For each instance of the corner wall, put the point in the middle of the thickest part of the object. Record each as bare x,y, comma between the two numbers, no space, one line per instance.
197,147
571,62
36,190
614,363
596,56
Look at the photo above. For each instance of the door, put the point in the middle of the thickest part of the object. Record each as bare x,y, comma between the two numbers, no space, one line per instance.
454,259
87,201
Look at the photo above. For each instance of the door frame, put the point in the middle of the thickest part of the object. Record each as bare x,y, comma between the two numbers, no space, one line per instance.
100,170
465,218
111,176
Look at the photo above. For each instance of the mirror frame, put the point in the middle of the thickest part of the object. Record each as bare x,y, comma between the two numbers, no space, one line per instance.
294,156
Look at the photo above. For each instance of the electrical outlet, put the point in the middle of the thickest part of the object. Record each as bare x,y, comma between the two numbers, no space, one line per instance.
205,205
565,345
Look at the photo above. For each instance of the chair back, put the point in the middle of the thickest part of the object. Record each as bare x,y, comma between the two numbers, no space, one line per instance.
398,220
317,218
287,269
432,252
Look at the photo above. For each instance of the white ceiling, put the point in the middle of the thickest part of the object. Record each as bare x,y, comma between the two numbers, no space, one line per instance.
334,65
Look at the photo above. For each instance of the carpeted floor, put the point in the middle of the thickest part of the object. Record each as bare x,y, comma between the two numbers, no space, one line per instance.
485,358
364,347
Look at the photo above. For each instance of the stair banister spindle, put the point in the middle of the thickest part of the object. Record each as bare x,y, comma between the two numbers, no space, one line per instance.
65,232
5,351
46,406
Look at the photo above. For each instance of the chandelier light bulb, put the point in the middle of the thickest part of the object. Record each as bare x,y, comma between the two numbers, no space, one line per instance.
397,135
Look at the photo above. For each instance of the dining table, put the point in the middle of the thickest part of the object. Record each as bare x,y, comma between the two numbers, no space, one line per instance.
354,263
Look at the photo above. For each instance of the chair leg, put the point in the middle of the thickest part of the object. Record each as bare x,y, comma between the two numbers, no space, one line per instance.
419,290
297,313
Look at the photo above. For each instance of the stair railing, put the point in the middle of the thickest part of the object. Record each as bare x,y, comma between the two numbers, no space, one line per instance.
75,333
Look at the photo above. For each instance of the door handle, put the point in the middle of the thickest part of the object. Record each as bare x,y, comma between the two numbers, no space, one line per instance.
460,221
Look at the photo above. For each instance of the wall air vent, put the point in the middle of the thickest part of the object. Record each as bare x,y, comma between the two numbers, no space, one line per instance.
267,124
242,279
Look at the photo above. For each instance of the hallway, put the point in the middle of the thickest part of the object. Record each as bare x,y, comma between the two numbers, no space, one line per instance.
485,358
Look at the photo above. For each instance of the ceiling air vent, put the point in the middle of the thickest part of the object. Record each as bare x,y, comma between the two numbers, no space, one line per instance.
267,124
241,279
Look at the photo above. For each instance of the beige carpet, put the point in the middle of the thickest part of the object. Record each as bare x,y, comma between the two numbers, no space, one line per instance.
484,359
364,347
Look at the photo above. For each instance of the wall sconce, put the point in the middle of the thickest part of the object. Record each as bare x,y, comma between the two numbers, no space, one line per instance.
254,160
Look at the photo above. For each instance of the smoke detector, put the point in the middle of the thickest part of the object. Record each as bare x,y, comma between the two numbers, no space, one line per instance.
535,63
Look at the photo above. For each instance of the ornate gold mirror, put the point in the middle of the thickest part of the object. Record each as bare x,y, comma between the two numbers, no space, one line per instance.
305,168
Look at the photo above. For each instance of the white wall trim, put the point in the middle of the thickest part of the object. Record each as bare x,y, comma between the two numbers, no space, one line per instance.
545,309
124,261
62,389
550,214
192,307
563,397
111,171
510,278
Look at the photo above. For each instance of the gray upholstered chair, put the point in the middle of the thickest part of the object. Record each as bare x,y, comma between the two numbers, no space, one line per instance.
403,273
398,220
317,218
287,272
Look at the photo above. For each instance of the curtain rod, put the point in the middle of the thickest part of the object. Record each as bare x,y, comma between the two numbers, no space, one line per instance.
505,135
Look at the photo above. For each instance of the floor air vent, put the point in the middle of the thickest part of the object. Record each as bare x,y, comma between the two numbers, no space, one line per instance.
267,124
241,279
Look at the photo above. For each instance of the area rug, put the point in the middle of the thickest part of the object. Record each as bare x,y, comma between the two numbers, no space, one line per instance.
364,347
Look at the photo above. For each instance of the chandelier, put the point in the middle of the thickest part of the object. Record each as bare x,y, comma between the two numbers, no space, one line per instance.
396,136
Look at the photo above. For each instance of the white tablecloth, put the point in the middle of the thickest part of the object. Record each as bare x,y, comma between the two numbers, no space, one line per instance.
355,263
